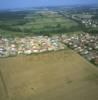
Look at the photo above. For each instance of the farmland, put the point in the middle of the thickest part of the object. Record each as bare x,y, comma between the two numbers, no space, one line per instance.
22,23
38,77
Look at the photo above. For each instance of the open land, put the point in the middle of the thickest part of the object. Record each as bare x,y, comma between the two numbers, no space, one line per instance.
60,75
23,23
56,75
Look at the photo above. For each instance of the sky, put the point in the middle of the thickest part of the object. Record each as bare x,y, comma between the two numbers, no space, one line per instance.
11,4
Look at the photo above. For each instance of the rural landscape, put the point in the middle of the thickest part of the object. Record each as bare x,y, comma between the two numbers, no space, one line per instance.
36,22
49,53
38,77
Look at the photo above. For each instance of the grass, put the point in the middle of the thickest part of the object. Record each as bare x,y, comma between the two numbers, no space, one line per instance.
61,75
50,20
34,22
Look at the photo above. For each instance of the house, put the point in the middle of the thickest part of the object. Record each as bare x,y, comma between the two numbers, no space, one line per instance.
27,52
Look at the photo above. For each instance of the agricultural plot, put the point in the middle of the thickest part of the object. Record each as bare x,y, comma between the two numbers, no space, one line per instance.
61,75
30,23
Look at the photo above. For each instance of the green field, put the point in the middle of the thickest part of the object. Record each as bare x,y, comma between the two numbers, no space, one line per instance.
35,23
61,75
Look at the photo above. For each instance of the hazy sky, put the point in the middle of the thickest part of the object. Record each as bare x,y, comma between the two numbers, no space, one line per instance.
10,4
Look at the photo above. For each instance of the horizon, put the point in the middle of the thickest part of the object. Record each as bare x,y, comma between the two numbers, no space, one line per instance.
13,4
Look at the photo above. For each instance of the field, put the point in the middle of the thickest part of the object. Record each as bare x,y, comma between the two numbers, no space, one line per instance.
61,75
42,22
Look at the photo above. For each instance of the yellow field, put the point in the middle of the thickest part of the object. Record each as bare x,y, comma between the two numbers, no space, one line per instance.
62,75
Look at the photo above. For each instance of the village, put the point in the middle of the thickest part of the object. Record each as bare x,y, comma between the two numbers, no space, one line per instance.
88,20
29,45
85,44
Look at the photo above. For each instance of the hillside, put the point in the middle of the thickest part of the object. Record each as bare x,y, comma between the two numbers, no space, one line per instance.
61,75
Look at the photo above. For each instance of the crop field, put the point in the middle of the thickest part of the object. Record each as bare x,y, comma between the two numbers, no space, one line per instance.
61,75
35,23
49,20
